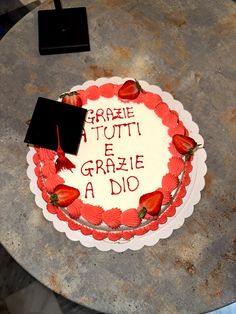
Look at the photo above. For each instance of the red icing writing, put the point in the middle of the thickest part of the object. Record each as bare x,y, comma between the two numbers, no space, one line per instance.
136,162
83,134
117,130
89,189
109,114
109,147
90,167
130,184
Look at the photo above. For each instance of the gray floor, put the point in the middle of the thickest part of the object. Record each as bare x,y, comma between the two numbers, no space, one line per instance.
11,11
20,293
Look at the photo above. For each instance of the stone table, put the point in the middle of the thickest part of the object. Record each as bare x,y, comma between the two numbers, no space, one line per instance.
187,48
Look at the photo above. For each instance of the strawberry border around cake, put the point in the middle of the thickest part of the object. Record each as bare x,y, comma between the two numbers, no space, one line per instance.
193,175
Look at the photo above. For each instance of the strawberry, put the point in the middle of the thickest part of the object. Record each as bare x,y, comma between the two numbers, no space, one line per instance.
72,98
150,203
130,90
185,145
63,195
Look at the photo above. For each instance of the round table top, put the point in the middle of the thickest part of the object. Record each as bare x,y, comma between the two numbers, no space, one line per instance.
186,49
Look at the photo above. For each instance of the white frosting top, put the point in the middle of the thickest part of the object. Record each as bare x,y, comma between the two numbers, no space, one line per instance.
123,154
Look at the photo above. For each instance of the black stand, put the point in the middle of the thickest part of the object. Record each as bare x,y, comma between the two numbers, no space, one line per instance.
63,30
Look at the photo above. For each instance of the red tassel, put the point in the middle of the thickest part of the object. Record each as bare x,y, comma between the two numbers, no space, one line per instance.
62,162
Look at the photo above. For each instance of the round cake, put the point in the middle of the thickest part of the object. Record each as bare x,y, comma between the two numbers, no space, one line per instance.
133,167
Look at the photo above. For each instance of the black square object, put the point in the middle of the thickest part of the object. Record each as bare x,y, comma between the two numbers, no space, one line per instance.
63,31
47,115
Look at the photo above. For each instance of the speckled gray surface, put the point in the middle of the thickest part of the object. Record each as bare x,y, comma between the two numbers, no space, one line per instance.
186,47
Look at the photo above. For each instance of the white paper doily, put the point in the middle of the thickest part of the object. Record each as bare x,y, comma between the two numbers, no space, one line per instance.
191,198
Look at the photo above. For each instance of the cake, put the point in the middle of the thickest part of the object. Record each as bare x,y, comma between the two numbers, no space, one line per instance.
132,169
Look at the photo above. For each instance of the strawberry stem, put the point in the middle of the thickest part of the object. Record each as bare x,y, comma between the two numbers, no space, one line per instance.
187,156
142,212
68,94
179,184
192,151
139,86
54,199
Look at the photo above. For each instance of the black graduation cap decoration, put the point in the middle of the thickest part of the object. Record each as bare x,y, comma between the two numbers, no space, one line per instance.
63,30
55,123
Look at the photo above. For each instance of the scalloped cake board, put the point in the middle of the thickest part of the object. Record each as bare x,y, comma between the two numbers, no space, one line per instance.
191,198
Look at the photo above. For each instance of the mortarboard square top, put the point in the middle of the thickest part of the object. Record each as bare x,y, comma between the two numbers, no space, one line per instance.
47,115
63,31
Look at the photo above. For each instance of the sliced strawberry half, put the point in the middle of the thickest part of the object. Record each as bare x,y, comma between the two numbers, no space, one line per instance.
63,195
72,98
130,90
185,145
150,203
